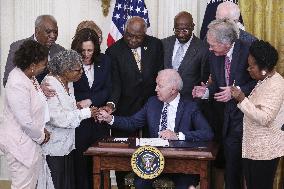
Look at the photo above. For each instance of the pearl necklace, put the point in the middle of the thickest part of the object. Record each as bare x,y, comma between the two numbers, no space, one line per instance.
259,83
60,81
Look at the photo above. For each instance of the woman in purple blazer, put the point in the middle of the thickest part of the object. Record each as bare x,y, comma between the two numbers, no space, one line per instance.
25,115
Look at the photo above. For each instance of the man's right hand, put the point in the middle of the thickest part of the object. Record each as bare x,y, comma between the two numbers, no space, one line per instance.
199,91
48,92
109,108
104,116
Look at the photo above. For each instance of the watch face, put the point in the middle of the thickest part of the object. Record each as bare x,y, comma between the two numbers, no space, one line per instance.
147,162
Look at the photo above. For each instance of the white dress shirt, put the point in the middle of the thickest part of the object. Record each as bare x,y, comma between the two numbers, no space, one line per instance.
230,55
89,72
171,116
185,47
138,51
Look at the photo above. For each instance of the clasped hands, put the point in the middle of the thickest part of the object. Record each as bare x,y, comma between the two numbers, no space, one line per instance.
102,114
226,94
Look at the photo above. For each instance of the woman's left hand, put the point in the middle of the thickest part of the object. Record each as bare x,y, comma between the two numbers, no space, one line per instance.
237,93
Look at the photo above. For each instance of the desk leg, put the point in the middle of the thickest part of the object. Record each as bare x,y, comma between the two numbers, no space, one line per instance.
204,175
106,179
96,172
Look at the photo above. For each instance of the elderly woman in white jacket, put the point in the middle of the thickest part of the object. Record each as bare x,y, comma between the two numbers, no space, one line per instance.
65,68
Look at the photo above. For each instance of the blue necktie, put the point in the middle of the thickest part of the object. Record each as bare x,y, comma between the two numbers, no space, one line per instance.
164,117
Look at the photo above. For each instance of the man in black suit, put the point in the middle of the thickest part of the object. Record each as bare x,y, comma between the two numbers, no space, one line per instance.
186,53
46,32
133,79
228,66
136,60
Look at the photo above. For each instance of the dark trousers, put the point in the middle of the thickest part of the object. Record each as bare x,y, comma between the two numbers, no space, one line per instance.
85,135
259,174
62,171
182,181
233,165
83,170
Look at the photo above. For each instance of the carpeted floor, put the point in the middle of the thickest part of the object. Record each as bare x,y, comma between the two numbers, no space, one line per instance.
5,184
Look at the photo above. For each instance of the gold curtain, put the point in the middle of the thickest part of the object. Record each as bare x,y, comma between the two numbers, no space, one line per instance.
265,20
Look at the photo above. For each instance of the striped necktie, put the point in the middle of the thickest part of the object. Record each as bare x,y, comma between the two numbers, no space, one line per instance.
164,121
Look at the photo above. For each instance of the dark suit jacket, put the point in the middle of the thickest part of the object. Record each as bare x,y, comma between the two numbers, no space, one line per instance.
247,37
54,49
89,131
194,67
131,88
189,120
101,88
233,117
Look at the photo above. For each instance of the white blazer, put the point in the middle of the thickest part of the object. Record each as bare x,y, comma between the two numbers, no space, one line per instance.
24,118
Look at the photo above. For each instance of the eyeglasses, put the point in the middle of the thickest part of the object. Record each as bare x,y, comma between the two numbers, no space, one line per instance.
185,31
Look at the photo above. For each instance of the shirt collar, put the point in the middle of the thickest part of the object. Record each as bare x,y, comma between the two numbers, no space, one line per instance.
185,45
175,101
230,53
87,67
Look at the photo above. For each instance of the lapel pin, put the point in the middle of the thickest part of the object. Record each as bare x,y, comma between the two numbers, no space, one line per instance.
145,48
99,66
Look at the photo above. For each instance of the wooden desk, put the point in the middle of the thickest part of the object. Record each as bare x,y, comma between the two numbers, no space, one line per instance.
193,160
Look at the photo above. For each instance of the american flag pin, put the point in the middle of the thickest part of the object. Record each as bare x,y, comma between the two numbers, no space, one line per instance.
145,48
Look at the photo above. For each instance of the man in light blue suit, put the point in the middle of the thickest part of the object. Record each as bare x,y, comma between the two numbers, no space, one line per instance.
168,116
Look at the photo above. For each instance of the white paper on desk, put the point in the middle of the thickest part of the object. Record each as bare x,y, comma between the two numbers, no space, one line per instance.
152,142
120,139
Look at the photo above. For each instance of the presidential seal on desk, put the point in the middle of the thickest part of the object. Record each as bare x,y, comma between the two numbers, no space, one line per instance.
147,162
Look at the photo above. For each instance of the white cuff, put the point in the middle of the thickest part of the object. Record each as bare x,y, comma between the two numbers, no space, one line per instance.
85,113
112,120
112,104
181,136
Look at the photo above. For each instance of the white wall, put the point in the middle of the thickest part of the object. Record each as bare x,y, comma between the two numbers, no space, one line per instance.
17,22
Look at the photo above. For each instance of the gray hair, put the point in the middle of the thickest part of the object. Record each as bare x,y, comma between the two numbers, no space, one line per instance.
64,61
40,19
173,78
229,10
225,31
135,18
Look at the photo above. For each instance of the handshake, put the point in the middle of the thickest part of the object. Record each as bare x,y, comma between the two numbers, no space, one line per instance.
102,114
